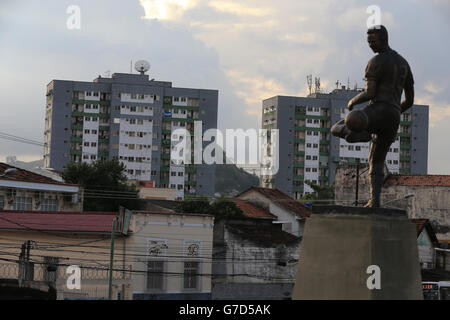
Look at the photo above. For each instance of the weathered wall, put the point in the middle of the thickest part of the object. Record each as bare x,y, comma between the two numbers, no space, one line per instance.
429,202
247,269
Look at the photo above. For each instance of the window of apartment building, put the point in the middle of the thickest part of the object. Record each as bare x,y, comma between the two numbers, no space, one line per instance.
133,96
93,144
308,145
86,144
140,121
155,275
133,109
87,131
395,149
116,120
308,157
350,148
95,106
131,146
85,156
310,109
2,201
95,94
180,187
316,133
22,203
314,157
191,275
94,119
131,133
173,186
130,171
315,145
93,157
180,174
308,169
87,118
173,174
395,161
88,93
358,148
309,121
176,99
183,99
88,106
49,205
132,121
314,169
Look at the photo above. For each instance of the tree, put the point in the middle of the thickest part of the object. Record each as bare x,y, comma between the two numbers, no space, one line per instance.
226,208
105,185
194,205
220,208
320,193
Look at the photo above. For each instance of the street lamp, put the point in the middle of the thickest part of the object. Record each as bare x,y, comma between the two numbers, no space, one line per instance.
8,171
409,195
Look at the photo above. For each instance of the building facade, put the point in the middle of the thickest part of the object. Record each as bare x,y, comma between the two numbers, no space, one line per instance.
308,153
130,118
172,255
26,190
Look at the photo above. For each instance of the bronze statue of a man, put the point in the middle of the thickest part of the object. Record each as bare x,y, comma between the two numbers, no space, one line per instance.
387,75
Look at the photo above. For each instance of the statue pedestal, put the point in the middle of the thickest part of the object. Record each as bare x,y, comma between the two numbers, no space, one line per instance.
347,252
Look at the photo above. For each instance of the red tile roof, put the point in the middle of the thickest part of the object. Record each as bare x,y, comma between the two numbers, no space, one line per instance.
419,180
252,210
279,197
26,176
96,222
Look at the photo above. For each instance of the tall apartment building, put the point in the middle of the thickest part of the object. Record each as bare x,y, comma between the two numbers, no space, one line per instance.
130,118
309,153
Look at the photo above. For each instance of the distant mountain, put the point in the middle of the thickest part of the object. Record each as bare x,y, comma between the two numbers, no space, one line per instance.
27,165
231,180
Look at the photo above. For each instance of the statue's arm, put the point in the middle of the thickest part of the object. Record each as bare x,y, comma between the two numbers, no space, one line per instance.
409,97
366,95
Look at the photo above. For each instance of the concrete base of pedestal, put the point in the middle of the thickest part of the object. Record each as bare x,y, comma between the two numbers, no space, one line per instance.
340,244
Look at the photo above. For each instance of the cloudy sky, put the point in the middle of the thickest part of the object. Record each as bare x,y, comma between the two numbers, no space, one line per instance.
249,50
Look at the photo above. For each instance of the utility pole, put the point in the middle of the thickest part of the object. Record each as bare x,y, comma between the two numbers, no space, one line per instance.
357,182
111,259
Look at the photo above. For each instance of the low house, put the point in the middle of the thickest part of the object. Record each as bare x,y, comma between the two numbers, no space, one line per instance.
43,250
172,255
434,260
253,258
290,213
24,190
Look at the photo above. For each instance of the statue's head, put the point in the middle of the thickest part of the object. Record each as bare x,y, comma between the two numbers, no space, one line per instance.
377,37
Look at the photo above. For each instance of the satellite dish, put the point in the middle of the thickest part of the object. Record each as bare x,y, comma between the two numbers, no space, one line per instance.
142,66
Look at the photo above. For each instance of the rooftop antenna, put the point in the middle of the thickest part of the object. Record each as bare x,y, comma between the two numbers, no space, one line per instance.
337,84
348,83
131,66
107,73
309,81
